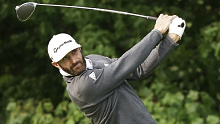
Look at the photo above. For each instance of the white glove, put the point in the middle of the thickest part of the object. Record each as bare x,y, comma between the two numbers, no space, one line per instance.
177,26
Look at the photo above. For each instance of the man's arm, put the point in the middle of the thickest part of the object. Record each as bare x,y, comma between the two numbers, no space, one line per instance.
158,54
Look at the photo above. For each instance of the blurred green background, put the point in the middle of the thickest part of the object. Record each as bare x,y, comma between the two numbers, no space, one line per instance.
184,89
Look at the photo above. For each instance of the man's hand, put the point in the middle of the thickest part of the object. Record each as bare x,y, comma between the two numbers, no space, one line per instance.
163,22
177,27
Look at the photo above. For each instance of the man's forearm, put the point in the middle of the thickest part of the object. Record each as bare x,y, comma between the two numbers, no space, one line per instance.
157,55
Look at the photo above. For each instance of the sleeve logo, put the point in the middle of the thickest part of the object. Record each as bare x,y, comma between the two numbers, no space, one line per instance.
92,75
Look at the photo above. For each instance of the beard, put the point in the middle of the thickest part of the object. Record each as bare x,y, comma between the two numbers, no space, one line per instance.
81,66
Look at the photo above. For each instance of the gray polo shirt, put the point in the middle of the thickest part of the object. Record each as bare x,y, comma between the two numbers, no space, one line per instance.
103,93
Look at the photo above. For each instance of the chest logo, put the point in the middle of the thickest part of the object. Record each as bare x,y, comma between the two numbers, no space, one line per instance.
92,75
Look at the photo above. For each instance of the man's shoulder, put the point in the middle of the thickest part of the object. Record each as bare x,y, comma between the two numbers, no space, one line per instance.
97,58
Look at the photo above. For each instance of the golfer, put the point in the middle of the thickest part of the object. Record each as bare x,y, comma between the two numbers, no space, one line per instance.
98,85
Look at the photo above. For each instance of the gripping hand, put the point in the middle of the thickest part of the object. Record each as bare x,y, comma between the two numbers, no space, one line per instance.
177,26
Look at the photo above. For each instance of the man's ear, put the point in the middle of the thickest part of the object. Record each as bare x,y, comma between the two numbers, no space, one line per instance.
55,64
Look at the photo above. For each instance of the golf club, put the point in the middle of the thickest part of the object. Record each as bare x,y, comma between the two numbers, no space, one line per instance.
25,10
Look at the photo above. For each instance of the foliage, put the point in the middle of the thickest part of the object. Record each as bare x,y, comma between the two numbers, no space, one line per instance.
43,112
185,88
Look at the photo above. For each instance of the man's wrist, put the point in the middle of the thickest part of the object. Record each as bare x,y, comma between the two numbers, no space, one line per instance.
174,37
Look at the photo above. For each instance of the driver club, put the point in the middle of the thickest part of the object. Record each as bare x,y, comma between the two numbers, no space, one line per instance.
25,10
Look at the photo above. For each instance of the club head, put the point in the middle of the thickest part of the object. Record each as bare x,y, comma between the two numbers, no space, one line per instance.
25,10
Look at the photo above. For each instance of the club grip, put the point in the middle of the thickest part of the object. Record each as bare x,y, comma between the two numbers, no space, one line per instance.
152,18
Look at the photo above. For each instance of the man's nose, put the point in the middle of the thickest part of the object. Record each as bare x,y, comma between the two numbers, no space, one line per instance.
73,59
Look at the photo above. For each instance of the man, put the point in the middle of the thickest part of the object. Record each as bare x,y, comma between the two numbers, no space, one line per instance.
98,85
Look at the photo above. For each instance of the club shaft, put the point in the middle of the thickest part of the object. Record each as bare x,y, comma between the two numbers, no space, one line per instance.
99,9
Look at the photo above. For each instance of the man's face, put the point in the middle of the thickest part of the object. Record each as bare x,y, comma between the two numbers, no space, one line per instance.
73,63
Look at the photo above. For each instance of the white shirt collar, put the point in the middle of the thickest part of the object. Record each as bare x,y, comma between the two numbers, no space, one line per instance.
88,66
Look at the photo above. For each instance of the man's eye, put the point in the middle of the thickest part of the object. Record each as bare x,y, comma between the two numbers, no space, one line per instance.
73,51
64,58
